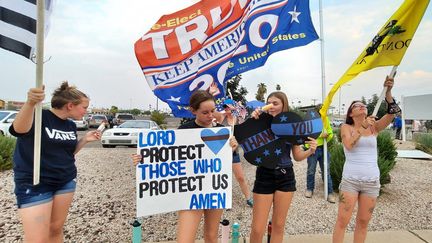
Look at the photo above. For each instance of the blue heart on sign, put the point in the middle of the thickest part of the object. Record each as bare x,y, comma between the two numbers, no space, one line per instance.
215,141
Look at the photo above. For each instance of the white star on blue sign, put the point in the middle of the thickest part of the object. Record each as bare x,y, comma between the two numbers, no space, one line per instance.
294,15
175,99
258,160
278,151
266,152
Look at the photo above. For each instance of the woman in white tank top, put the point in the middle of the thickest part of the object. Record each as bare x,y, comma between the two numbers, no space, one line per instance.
360,177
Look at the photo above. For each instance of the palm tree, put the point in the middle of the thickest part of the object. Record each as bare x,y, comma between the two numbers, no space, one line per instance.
262,90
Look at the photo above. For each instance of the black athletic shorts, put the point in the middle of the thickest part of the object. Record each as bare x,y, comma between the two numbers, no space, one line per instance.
268,181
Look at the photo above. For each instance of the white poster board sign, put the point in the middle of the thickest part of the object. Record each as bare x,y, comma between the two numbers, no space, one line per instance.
183,169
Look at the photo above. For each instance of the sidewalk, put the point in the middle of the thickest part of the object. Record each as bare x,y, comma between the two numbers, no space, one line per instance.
402,236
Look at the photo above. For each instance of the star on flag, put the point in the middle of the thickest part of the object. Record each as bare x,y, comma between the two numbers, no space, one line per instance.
172,98
294,15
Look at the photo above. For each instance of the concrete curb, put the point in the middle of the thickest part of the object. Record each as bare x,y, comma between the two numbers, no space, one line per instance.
400,236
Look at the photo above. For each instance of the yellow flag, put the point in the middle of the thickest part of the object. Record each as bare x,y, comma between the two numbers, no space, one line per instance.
387,47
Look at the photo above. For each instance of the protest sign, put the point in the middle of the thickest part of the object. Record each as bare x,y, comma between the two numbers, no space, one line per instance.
295,129
261,147
183,169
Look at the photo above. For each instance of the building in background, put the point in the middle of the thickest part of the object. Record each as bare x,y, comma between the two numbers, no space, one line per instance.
14,105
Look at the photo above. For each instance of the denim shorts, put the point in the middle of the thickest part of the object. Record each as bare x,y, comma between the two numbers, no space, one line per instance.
369,188
268,181
28,195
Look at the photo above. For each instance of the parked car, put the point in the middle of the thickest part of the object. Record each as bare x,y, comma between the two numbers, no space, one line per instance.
337,122
81,124
6,119
122,117
96,119
127,133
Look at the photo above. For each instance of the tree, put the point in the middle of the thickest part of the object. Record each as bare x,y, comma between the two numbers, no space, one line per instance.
238,92
158,117
262,90
371,106
114,109
428,125
278,87
135,112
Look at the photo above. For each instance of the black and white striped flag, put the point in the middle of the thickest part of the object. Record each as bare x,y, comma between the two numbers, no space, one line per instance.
18,25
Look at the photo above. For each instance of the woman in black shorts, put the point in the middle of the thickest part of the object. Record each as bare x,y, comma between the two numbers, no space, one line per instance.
275,187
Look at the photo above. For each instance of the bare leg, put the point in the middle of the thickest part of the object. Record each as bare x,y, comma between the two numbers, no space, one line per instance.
347,201
239,175
36,222
211,224
366,205
261,209
60,208
281,204
188,221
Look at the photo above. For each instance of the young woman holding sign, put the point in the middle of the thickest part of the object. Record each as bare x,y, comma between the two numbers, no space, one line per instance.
275,187
203,106
43,208
361,176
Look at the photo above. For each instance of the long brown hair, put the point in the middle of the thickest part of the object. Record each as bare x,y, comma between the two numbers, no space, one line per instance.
348,119
198,97
65,94
282,96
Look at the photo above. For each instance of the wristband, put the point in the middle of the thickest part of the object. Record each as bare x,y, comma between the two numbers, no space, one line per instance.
392,108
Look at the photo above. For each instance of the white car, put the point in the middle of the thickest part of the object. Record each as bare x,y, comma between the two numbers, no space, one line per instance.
127,133
337,122
6,119
81,124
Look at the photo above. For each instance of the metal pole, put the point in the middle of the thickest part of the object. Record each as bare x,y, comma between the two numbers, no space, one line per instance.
340,94
40,34
383,93
403,118
323,97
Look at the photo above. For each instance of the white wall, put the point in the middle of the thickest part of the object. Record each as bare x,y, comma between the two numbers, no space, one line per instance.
418,107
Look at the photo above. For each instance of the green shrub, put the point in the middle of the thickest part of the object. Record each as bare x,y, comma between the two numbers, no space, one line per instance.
158,117
7,146
337,161
337,135
386,159
424,143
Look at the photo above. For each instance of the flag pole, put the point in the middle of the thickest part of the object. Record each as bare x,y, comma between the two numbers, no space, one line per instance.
40,34
323,88
380,99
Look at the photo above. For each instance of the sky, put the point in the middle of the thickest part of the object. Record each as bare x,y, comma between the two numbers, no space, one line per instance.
91,44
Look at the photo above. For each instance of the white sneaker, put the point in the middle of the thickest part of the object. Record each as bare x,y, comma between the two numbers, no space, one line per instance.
308,193
331,198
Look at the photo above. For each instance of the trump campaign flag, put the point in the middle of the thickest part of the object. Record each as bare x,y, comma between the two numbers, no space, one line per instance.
18,25
202,46
387,48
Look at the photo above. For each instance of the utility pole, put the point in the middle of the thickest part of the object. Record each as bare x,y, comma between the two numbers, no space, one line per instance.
314,101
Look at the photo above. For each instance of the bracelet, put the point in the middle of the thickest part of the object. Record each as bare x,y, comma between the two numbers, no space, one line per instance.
392,108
